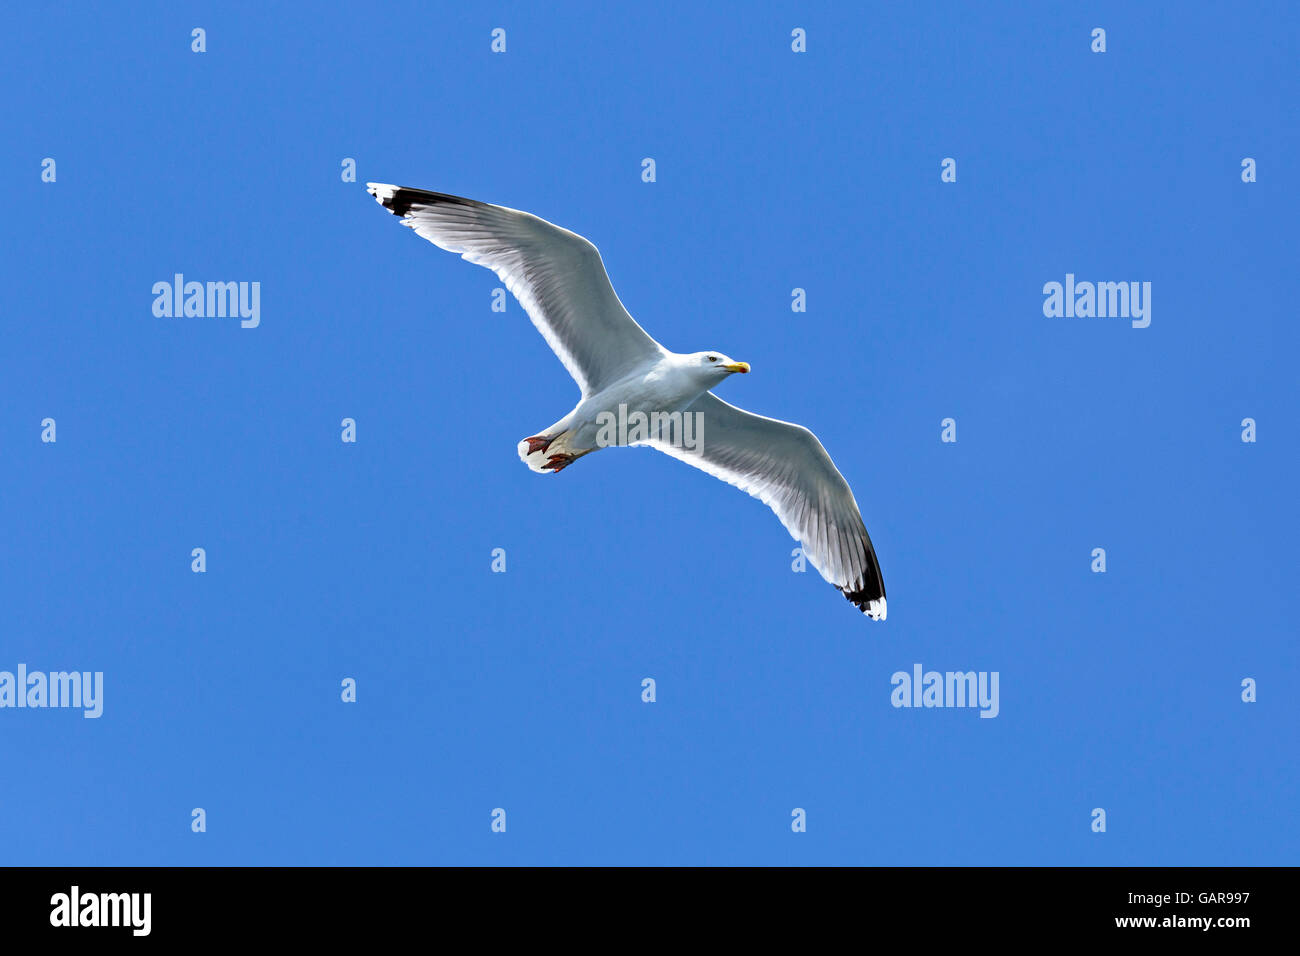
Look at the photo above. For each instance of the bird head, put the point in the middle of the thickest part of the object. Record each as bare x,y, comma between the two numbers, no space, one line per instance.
715,366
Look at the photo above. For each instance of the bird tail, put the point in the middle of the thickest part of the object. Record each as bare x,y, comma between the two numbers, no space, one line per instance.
532,455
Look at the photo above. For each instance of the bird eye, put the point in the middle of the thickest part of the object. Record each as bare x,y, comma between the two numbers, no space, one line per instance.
712,358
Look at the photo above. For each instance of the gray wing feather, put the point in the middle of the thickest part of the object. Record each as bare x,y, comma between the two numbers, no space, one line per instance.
786,467
556,275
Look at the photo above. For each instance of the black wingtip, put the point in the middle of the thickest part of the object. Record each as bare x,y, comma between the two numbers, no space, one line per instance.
868,593
870,601
400,200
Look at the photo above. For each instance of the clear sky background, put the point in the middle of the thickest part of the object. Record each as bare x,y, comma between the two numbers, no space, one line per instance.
522,690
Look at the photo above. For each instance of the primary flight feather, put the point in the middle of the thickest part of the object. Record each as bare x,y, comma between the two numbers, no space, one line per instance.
560,281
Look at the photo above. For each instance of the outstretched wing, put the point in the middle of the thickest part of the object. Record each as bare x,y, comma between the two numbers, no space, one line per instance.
786,467
556,275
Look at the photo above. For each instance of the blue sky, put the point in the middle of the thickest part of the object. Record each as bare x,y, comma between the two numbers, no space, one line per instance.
521,690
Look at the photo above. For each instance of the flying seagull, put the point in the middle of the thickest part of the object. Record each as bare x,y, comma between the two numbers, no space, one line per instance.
559,279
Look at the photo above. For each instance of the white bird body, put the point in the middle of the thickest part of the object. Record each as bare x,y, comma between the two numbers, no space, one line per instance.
623,373
663,386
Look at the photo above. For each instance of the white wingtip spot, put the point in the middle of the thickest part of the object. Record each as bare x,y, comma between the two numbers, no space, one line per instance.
381,191
876,609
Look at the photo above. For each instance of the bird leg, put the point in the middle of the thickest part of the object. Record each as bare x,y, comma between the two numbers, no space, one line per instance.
557,463
538,443
560,462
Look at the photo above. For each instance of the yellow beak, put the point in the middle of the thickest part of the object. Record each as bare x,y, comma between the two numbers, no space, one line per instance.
737,367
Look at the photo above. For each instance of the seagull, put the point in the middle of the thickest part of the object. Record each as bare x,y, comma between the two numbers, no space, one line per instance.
559,279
